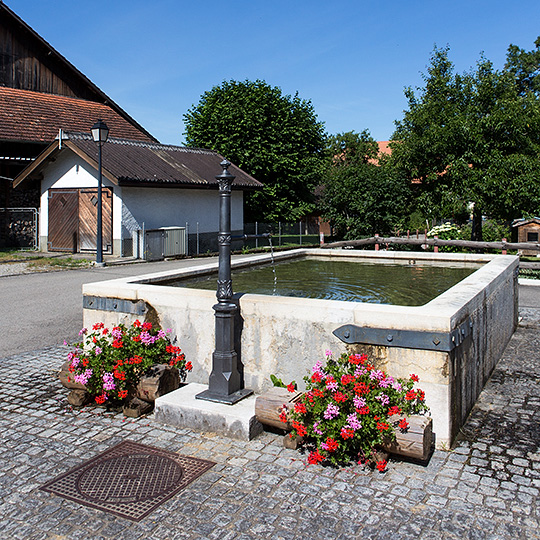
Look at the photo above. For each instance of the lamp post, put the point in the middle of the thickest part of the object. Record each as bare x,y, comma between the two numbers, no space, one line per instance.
100,134
225,384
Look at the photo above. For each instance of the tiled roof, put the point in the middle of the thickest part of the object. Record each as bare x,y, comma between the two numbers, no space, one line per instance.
37,117
139,163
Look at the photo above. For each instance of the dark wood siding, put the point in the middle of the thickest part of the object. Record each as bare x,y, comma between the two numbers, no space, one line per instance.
26,63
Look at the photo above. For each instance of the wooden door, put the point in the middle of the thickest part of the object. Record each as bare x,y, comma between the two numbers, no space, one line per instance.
63,220
88,199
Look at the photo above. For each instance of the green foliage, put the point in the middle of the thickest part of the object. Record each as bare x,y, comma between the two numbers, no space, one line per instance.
492,231
525,67
274,137
360,197
473,137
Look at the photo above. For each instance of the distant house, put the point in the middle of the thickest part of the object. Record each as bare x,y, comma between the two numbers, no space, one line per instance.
147,185
528,230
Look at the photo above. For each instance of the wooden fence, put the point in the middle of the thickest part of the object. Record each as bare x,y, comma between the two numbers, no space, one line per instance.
503,245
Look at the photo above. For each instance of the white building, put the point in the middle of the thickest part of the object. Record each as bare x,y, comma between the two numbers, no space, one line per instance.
146,186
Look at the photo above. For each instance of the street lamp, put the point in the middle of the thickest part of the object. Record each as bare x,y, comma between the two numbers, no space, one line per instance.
100,133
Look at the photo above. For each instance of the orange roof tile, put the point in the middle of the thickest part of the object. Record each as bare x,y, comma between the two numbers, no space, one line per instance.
37,117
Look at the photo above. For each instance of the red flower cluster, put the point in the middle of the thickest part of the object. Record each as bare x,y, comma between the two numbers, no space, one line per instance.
291,387
340,397
394,410
403,424
300,408
383,426
347,433
361,388
315,457
331,445
381,465
300,428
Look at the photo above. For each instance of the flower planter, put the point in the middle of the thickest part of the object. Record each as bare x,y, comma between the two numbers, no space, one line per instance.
415,442
157,381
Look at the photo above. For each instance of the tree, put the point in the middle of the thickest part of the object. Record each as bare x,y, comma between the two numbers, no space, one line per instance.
359,196
525,67
471,138
274,137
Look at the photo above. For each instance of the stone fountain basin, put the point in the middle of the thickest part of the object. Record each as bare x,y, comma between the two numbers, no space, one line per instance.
285,336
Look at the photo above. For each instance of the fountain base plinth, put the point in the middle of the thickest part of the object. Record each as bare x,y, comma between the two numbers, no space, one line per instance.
181,408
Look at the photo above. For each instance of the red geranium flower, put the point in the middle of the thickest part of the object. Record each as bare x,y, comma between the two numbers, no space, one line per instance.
410,395
394,410
403,424
381,465
347,433
291,387
117,344
300,408
300,428
382,426
122,394
361,388
414,377
363,410
316,377
346,379
420,395
339,397
315,457
189,366
331,445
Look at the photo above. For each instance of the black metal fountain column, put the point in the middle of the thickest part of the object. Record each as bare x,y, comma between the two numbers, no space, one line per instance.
225,384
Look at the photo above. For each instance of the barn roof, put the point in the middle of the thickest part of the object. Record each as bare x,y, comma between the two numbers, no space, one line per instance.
37,117
128,162
48,64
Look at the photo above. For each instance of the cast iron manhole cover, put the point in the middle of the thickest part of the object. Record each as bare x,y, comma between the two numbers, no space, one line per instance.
129,480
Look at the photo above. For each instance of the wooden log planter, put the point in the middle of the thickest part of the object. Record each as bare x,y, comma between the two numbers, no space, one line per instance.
415,442
157,381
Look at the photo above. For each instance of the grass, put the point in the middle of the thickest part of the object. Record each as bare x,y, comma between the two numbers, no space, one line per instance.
41,262
45,263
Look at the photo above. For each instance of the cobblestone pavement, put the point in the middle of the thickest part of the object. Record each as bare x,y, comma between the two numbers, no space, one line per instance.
486,487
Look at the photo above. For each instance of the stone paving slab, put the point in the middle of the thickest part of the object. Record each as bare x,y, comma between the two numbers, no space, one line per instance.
486,487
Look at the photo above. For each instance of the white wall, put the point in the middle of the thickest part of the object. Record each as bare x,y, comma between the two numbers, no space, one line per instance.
173,207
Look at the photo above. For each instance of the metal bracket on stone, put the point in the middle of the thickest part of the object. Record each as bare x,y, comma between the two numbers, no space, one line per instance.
119,305
408,339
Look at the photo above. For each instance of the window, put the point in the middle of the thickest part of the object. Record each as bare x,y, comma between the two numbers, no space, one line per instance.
532,237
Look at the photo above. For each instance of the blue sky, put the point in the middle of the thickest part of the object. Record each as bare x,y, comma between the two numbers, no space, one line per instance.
351,58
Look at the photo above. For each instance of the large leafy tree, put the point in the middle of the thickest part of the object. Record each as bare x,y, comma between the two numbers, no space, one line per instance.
274,137
360,197
471,138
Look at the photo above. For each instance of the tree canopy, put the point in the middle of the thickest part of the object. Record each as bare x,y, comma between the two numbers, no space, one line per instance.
359,196
274,137
472,137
